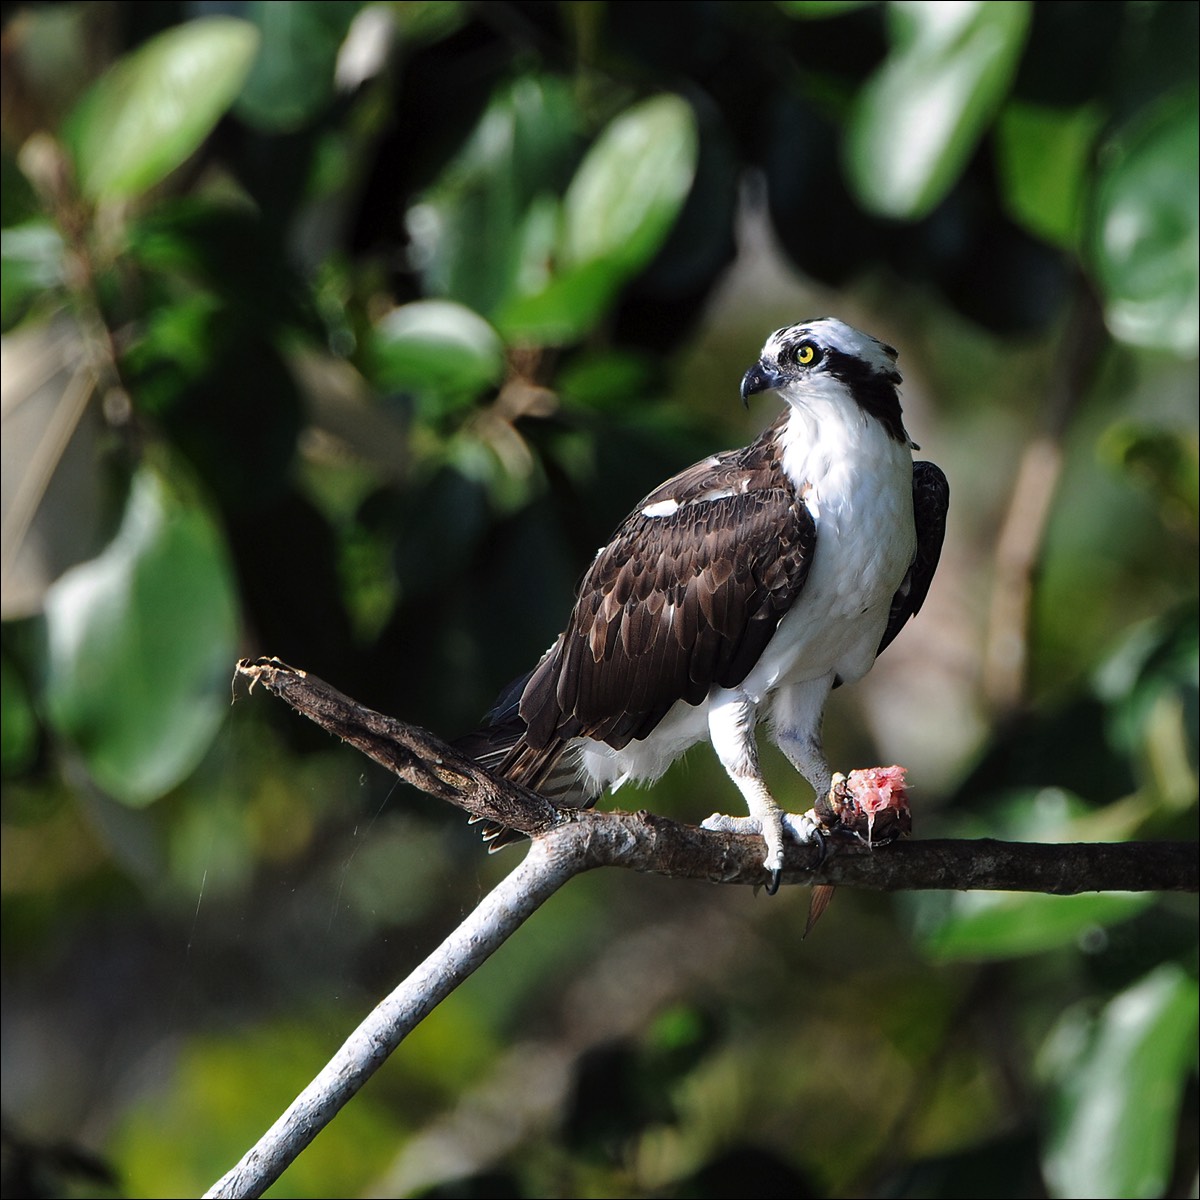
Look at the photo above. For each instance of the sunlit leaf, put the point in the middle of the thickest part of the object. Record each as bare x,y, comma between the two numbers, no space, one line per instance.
1052,814
565,309
1117,1090
918,120
629,189
616,214
990,925
156,106
437,348
1146,237
1045,159
140,645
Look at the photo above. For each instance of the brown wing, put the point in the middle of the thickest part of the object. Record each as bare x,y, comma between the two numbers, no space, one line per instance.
676,602
931,499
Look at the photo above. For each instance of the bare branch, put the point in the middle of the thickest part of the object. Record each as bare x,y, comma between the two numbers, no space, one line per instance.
415,756
542,872
646,842
568,842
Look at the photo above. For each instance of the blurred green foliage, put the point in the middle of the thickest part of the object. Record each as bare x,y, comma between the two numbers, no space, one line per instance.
345,332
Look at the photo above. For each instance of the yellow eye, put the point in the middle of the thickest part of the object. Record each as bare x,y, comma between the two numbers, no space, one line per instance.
806,354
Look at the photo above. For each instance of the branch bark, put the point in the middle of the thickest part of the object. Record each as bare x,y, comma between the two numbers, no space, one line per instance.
644,841
566,843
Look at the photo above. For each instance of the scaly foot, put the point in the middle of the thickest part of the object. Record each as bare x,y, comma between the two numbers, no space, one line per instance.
802,828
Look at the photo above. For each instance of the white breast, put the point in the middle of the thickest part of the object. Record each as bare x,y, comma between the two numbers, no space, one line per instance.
857,483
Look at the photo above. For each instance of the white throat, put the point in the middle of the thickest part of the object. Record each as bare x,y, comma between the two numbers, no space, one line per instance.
831,447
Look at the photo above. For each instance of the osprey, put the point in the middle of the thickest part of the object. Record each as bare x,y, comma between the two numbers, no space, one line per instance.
742,590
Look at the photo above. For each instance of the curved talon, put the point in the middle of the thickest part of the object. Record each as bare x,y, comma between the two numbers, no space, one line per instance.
818,836
775,876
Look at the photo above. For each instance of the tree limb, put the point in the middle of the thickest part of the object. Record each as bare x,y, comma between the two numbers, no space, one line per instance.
542,872
568,842
644,841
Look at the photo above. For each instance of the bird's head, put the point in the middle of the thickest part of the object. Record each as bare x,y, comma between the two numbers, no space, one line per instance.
827,356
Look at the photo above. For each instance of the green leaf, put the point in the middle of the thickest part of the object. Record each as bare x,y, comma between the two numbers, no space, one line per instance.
988,925
18,729
436,348
155,107
1117,1090
488,227
31,266
292,79
1161,460
1045,158
630,187
1146,239
818,9
1149,688
611,378
617,212
141,642
992,925
918,120
564,310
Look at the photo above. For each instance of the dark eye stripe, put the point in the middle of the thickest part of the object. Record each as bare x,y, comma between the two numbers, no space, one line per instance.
854,371
875,391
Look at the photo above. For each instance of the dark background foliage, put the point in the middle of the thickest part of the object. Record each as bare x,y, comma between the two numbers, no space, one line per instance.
345,332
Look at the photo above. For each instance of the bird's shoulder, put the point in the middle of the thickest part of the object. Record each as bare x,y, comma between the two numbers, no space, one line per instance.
731,522
746,471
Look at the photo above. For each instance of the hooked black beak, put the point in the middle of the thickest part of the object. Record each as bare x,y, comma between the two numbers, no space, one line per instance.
760,378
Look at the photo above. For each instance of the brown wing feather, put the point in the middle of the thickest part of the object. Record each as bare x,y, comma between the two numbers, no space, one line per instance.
674,604
931,500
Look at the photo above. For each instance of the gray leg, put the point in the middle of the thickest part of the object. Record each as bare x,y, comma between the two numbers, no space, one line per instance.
796,730
732,719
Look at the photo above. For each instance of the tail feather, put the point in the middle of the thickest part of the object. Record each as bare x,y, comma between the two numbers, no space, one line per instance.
551,771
